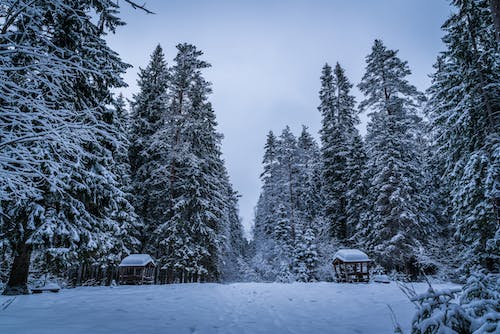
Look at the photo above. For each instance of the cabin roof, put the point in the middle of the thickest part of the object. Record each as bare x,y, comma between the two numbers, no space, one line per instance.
351,255
136,260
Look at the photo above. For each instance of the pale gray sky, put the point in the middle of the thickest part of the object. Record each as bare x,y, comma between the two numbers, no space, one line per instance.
267,57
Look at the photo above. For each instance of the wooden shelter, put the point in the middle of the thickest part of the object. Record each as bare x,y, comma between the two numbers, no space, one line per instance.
351,265
137,269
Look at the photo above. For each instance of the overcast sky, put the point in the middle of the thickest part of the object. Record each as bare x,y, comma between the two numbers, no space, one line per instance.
267,57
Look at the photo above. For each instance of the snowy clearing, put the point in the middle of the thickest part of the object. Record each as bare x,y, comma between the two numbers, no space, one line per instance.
212,308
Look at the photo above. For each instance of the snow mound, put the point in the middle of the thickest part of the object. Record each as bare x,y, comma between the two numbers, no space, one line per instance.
136,260
381,279
351,255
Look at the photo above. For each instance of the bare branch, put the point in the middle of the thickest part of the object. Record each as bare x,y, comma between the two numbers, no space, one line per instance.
137,6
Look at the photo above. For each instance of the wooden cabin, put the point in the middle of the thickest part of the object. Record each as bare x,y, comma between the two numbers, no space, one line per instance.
351,265
137,269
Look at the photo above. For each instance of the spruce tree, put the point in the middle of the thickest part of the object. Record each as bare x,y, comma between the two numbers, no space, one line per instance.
191,233
309,200
328,173
287,175
265,210
149,148
337,135
463,109
73,192
308,211
396,224
306,256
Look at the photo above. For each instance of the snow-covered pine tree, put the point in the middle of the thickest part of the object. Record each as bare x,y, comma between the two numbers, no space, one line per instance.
480,298
287,175
396,223
437,312
149,148
306,256
337,135
463,109
309,209
476,310
266,206
309,200
191,235
69,216
266,212
328,173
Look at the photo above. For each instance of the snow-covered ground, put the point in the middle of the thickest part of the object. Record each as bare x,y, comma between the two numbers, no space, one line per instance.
211,308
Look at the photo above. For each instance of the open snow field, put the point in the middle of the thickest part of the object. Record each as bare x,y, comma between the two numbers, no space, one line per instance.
211,308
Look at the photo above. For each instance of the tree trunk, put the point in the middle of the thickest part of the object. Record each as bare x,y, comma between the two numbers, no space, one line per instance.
18,279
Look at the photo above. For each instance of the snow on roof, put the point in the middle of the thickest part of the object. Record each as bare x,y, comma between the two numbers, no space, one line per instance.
136,260
351,255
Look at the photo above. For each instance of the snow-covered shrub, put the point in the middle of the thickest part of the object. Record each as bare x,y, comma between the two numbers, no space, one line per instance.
306,257
437,312
473,309
481,300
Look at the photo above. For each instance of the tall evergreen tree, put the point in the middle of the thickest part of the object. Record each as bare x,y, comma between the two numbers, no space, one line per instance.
309,200
328,173
463,108
337,135
69,215
149,148
266,206
192,232
397,222
266,213
287,176
309,208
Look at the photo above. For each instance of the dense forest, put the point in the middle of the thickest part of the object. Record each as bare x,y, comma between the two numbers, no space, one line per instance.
419,193
87,178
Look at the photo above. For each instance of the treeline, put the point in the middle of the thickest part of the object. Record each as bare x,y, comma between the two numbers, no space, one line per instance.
420,193
82,182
